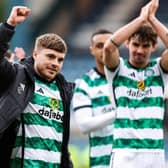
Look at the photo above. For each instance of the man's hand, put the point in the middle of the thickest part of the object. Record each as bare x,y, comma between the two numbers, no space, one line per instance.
19,52
153,8
18,15
144,15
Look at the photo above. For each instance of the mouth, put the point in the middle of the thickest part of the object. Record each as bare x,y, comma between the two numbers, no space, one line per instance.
138,56
52,71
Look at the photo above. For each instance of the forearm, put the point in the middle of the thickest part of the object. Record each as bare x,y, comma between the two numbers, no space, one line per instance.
126,31
110,53
6,32
6,69
91,123
161,30
164,61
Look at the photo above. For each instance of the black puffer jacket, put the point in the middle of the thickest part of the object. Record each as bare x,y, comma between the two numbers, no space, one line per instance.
17,89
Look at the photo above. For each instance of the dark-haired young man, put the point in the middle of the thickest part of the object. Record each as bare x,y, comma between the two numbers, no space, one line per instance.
92,105
138,88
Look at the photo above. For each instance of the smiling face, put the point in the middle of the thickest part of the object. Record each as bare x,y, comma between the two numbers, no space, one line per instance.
48,63
139,51
49,53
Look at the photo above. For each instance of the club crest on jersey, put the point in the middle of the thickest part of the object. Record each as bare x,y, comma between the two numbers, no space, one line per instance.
149,72
141,85
54,103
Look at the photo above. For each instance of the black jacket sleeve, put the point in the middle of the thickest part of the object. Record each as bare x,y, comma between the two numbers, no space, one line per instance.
7,71
6,34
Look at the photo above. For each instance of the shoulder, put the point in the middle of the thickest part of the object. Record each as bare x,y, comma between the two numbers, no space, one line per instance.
64,84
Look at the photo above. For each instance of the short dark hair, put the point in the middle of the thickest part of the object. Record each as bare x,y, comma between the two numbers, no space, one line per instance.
145,33
101,31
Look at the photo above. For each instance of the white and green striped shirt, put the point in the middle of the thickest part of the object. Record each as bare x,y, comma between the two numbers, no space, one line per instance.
43,118
92,93
139,95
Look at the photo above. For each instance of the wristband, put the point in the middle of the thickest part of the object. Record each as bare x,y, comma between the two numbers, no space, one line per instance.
113,42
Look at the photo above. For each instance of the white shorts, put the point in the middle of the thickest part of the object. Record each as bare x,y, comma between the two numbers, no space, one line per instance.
125,159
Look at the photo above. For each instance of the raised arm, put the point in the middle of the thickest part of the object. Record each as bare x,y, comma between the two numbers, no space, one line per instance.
161,30
7,71
111,54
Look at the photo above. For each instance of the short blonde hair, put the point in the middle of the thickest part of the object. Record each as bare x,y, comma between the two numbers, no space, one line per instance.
51,41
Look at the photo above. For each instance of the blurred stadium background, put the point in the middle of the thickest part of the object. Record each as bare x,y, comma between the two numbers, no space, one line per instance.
75,21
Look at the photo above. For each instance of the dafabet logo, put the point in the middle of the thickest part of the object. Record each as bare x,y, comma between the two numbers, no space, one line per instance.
51,114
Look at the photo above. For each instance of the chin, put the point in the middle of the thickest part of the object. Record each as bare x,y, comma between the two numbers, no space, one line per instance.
49,77
139,61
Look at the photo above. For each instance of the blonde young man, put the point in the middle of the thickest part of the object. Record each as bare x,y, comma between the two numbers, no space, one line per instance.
35,100
138,88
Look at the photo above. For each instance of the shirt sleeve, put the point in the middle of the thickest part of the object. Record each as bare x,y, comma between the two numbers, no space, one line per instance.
82,108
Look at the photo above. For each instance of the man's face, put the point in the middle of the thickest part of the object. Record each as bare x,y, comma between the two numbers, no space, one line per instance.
140,52
48,63
96,48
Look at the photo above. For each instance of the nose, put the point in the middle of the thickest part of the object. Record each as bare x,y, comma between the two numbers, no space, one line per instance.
139,49
55,63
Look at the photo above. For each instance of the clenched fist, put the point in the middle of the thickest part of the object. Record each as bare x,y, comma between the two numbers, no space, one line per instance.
18,15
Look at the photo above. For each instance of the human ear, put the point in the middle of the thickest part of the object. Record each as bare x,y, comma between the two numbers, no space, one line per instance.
91,50
154,47
127,43
34,54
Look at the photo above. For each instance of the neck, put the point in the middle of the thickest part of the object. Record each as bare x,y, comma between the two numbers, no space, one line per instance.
140,65
100,69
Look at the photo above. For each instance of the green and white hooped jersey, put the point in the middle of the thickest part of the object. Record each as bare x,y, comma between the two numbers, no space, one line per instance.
92,92
43,118
140,107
